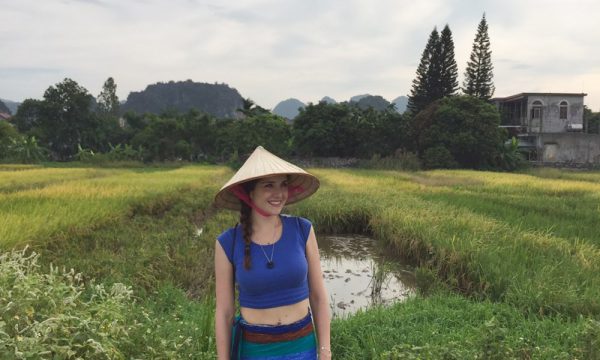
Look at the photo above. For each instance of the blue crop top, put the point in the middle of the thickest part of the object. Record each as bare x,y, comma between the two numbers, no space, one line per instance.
287,282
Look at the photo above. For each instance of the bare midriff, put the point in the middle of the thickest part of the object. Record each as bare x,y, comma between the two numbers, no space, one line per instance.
280,315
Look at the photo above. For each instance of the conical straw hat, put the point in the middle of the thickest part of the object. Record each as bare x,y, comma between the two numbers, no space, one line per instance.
261,164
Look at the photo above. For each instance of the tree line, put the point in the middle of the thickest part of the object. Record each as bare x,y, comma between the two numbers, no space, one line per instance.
443,128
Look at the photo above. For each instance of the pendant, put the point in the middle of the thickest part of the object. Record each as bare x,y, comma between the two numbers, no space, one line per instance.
270,265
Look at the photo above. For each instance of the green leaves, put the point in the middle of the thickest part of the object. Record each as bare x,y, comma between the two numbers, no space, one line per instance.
478,75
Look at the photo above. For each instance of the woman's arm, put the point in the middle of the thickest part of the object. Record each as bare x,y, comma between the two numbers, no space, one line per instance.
225,303
319,301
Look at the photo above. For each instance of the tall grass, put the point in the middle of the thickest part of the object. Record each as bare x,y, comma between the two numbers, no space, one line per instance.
523,248
35,214
516,238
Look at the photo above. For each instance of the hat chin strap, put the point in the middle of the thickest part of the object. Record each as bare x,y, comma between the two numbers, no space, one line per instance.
241,194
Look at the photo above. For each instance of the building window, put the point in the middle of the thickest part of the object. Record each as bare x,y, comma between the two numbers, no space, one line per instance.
536,110
563,110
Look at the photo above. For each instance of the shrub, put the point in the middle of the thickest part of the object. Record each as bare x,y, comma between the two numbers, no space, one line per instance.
467,127
55,315
438,157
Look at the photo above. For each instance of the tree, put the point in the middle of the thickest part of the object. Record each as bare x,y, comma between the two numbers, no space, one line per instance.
67,120
108,101
345,130
199,132
467,127
437,72
8,136
326,130
449,69
242,136
161,139
28,115
478,75
62,120
591,121
420,93
251,109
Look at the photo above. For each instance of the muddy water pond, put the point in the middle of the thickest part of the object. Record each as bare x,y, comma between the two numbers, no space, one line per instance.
358,274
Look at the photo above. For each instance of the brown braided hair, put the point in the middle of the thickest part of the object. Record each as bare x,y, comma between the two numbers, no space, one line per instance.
246,221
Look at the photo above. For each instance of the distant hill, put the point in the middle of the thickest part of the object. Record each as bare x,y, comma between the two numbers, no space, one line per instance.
11,105
328,100
288,108
357,98
218,100
376,102
4,108
400,102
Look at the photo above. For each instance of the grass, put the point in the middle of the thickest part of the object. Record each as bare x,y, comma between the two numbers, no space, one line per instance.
511,261
541,256
34,214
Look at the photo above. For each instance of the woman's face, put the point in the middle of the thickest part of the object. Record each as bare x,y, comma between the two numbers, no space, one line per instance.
270,193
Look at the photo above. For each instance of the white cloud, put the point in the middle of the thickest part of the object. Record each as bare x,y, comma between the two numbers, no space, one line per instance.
271,50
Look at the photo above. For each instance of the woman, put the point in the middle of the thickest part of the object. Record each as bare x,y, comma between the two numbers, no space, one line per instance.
274,261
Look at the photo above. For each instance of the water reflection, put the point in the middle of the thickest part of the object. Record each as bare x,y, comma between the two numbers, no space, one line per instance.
358,275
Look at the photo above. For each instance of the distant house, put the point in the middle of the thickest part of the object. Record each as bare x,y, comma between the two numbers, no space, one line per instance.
549,126
4,116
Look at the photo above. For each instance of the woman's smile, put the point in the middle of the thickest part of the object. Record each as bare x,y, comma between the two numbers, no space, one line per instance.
271,193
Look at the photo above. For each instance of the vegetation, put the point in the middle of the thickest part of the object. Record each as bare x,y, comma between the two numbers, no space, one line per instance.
591,121
502,274
346,130
4,108
448,130
478,75
437,73
68,124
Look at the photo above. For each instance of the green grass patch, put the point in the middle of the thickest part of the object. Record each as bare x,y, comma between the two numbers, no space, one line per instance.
521,248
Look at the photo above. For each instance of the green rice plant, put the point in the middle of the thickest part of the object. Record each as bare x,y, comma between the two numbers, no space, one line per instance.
522,248
33,177
474,248
31,215
447,326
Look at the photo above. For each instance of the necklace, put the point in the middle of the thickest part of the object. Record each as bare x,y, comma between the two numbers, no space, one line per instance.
270,263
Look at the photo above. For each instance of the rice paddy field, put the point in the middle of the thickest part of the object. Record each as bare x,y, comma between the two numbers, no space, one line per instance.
116,263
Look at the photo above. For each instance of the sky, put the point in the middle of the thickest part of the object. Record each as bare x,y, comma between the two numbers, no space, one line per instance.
272,50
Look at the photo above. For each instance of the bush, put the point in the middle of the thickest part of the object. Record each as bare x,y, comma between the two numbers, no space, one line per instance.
438,157
467,127
55,315
510,157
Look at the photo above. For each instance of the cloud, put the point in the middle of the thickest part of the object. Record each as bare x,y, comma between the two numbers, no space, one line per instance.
275,49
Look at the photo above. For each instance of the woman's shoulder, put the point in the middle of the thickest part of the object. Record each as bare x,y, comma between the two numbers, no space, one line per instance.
227,236
302,225
296,219
226,239
228,232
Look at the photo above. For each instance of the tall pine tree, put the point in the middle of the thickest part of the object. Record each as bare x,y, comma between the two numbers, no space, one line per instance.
449,69
437,72
478,75
421,92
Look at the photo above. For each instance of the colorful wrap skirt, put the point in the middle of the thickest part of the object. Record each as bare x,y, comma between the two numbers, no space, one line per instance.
294,341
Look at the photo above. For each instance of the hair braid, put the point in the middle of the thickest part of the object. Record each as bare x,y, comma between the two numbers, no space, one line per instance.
246,221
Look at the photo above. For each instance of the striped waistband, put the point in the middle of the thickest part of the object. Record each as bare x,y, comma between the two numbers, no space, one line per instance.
265,334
